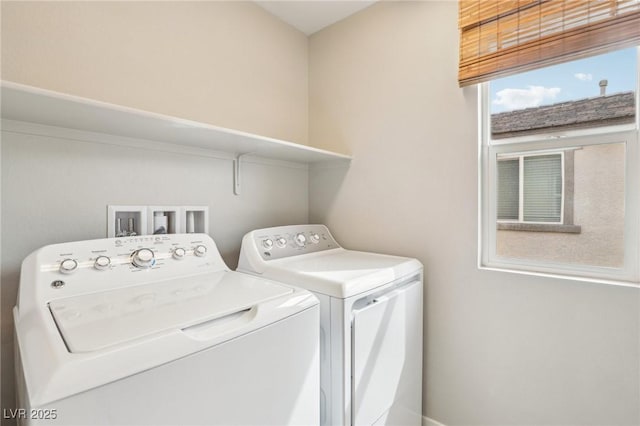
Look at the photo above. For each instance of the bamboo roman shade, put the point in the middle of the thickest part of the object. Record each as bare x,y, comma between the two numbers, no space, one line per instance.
502,37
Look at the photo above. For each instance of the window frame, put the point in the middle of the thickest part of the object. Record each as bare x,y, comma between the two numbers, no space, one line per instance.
488,151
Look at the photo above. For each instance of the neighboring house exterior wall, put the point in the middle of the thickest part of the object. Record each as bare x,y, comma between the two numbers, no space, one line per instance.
598,209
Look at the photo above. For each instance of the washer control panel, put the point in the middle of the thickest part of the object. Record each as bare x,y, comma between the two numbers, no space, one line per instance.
286,241
87,266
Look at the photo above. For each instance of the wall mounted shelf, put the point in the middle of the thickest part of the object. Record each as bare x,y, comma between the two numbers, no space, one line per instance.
34,105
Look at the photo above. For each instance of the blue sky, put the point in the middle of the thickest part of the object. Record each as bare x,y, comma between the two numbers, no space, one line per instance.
565,82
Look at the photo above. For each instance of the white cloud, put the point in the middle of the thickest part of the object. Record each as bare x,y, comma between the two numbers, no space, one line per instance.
525,98
583,77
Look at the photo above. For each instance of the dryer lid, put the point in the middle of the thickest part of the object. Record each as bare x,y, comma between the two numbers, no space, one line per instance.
341,273
95,321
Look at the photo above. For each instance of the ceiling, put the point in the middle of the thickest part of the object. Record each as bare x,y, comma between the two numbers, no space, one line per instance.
312,16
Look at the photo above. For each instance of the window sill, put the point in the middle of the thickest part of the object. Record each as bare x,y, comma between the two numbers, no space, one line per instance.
540,227
618,281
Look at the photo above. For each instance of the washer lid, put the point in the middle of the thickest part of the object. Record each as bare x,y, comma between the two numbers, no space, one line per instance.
339,272
96,321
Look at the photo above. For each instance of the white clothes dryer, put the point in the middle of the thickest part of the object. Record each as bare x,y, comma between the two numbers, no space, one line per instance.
156,330
370,320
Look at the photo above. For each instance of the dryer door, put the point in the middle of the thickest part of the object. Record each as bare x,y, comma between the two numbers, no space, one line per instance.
387,359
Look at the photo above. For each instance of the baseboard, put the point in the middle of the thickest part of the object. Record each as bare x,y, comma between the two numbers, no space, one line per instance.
426,421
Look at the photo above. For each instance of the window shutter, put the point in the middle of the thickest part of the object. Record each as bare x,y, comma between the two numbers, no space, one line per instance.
543,188
503,37
508,189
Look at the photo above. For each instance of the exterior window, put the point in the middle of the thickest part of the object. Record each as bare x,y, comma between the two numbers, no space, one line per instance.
540,177
559,170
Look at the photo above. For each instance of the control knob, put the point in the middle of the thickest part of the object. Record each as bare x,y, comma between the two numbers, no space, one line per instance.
267,244
68,266
102,263
143,258
200,251
315,238
178,253
300,239
281,242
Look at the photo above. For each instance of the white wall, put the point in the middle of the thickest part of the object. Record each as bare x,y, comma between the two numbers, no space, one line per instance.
227,63
501,349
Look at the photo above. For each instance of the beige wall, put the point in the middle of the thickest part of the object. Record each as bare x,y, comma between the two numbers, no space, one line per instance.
229,64
501,349
598,202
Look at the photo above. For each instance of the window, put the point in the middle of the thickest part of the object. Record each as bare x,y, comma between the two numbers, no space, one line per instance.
559,170
539,179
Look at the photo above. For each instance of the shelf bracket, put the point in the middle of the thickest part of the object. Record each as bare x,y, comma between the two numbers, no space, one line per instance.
236,174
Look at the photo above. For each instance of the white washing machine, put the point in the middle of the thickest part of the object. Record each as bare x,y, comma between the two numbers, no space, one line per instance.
370,320
156,330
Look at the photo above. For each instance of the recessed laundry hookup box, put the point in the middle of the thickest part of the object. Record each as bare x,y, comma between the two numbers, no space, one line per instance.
195,219
124,221
164,220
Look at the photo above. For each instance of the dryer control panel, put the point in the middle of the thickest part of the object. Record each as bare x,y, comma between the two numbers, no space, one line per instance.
292,240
